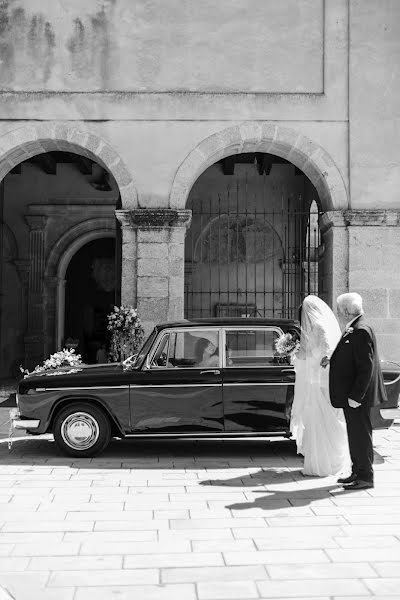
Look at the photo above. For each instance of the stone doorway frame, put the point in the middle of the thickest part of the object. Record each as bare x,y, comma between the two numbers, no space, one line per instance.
60,257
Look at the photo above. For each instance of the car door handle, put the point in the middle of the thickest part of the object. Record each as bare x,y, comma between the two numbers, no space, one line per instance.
213,371
287,371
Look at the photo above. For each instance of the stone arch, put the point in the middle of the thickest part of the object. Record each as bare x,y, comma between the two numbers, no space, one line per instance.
25,142
73,239
285,142
57,264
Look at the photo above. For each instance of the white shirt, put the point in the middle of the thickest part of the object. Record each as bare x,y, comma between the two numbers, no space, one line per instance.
349,324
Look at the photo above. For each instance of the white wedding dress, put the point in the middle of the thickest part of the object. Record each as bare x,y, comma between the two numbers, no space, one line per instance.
319,429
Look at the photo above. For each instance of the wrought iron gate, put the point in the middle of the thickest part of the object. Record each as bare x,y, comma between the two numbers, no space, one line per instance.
251,261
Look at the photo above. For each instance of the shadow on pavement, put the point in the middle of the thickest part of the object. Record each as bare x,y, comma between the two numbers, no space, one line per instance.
290,499
158,453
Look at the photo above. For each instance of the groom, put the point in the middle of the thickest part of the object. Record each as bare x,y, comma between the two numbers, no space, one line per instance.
356,384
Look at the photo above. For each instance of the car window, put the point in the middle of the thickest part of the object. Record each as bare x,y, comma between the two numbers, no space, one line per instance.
251,347
160,356
141,355
187,349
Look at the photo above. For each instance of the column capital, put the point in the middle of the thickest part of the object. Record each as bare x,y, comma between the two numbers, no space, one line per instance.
149,218
332,218
36,222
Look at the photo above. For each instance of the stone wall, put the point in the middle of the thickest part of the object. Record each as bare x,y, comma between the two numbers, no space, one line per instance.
137,46
374,256
158,91
374,103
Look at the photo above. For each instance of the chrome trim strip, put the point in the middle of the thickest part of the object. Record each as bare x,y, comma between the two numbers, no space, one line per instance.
185,385
271,366
248,383
78,389
215,434
253,367
26,423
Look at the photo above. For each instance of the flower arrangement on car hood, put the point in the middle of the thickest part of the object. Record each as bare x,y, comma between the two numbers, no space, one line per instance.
63,358
126,332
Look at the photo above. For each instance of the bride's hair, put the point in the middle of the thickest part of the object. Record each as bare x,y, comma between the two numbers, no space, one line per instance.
300,309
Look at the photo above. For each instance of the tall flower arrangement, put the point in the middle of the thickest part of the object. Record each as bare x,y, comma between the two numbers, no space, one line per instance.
126,332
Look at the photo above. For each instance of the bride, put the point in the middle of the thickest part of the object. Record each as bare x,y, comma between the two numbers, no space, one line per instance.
319,429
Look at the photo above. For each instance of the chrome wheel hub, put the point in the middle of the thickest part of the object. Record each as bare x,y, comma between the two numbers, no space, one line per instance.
80,431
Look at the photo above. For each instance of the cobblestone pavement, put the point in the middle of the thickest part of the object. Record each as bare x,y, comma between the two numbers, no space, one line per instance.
206,520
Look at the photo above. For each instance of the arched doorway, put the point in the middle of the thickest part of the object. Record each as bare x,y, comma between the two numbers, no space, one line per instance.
91,291
50,205
254,245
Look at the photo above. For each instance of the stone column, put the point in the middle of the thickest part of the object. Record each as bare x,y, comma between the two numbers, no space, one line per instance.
333,268
153,251
129,258
34,339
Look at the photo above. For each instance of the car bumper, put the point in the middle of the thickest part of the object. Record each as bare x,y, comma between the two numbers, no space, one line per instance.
390,413
19,423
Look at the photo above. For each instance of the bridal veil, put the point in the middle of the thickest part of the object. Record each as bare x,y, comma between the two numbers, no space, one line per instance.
319,429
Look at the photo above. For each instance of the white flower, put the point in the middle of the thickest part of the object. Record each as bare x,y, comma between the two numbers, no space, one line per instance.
64,358
287,344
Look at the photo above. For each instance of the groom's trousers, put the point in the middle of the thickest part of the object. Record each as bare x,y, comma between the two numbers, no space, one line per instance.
359,433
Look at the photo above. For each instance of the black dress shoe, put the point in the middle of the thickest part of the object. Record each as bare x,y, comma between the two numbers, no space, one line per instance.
358,484
348,479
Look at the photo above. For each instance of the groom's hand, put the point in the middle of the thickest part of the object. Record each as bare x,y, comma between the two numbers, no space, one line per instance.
324,362
353,403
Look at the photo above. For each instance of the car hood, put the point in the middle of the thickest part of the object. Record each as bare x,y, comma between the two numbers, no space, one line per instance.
82,375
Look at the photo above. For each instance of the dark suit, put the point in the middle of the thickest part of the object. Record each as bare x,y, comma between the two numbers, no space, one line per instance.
355,373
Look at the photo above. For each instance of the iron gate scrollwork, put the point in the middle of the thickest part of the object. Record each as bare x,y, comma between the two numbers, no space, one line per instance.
244,259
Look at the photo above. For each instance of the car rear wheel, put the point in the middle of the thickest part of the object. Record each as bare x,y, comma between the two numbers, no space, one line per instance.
82,430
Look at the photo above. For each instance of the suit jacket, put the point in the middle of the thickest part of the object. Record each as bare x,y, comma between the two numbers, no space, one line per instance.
355,370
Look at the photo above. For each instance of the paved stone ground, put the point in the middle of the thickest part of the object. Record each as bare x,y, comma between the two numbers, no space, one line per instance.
194,520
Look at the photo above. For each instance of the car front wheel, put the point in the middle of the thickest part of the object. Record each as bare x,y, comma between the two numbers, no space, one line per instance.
82,430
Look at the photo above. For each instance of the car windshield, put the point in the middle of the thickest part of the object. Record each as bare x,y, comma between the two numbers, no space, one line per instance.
144,350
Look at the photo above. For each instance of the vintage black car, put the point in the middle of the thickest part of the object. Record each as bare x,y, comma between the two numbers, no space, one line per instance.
203,378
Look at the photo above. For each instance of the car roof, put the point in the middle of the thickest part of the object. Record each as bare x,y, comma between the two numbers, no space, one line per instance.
229,321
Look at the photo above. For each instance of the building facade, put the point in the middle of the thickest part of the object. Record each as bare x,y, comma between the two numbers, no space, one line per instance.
194,159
